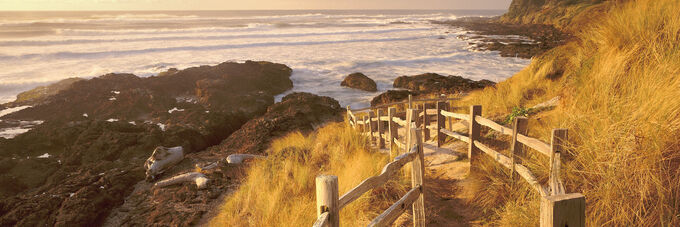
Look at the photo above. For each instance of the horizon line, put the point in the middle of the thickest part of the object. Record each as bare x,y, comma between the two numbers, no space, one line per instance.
206,10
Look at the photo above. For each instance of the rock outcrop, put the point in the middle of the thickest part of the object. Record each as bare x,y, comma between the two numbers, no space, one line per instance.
296,112
88,155
359,81
39,95
432,83
157,205
392,96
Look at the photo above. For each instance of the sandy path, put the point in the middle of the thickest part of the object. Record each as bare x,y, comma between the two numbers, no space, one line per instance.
446,170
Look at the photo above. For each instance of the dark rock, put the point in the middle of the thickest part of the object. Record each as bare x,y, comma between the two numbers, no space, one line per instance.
537,38
432,83
146,205
39,95
392,96
295,112
94,163
170,71
359,81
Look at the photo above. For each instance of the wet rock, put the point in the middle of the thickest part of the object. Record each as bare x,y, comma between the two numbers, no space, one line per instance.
432,83
39,95
359,81
511,40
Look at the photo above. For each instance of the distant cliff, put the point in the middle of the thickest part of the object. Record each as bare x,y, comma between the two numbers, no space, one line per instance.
568,15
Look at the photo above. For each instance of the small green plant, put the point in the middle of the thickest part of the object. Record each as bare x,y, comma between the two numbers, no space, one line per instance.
517,111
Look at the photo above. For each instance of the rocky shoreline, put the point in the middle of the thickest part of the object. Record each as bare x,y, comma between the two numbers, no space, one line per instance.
81,163
84,164
511,40
87,156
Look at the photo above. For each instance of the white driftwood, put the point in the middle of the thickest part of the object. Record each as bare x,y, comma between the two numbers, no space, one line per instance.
199,179
239,158
161,159
209,166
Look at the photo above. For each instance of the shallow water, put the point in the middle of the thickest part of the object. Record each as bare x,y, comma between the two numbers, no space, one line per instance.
37,48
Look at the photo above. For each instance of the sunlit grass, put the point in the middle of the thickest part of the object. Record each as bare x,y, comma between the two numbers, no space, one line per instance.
279,191
619,83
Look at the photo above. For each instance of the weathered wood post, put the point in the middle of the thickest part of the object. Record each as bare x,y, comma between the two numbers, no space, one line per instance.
519,126
411,115
410,101
557,144
364,125
371,126
474,130
327,198
563,210
381,130
392,126
426,123
417,171
441,122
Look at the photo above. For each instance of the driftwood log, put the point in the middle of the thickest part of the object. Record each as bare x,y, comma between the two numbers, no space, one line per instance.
199,179
161,159
240,158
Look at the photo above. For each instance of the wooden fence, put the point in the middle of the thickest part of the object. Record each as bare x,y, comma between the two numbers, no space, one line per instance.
557,207
329,203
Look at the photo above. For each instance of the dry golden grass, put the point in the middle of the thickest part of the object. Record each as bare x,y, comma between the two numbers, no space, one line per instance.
620,88
279,191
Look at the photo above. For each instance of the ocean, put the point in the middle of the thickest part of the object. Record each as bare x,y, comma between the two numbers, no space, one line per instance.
321,46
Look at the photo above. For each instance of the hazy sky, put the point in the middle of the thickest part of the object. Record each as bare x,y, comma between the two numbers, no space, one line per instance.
247,4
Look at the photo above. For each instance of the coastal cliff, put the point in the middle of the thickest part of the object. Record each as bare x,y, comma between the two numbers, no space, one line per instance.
569,15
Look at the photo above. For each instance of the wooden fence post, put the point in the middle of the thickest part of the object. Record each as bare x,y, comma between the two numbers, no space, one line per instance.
426,123
371,115
557,144
327,198
417,171
441,122
409,118
381,130
410,103
519,126
392,126
364,125
563,210
474,131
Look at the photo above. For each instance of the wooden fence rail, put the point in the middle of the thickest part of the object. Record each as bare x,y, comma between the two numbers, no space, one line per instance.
557,207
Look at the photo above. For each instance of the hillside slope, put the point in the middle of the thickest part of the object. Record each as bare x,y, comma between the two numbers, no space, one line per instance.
570,15
617,81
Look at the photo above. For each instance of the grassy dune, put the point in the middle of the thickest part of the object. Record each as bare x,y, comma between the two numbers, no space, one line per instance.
620,88
279,191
